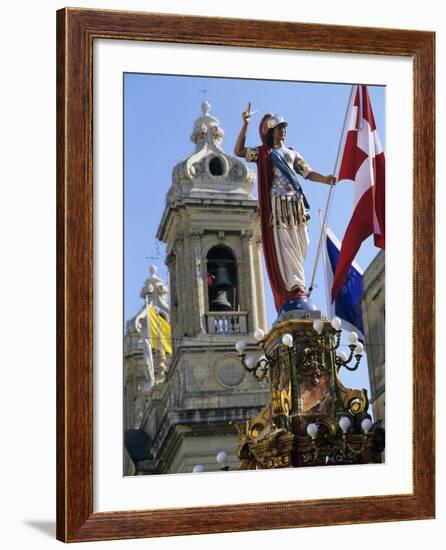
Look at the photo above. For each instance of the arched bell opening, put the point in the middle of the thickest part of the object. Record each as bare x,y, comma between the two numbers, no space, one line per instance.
216,166
222,280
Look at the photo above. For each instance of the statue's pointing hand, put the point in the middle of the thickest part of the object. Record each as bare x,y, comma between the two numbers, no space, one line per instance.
246,115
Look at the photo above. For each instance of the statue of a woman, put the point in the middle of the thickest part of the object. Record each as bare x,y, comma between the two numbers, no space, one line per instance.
282,203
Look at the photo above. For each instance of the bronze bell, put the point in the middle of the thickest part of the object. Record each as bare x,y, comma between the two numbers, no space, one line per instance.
222,277
222,283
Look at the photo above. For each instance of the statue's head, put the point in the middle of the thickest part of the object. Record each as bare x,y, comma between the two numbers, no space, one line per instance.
270,123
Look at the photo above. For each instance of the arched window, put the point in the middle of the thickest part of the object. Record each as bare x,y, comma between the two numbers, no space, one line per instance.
222,280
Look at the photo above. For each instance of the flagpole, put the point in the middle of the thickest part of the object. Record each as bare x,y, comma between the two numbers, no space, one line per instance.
158,328
331,192
324,261
150,367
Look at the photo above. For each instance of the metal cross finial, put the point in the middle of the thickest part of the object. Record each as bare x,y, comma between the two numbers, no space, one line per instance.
158,253
204,91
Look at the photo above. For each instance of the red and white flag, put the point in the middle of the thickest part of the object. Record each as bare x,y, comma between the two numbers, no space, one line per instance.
363,162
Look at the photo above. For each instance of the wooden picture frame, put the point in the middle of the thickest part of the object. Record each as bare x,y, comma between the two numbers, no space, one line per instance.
77,29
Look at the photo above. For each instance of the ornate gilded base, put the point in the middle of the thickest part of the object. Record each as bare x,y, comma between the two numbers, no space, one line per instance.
263,445
311,418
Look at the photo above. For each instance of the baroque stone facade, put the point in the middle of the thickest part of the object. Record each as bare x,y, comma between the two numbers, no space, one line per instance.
211,229
374,313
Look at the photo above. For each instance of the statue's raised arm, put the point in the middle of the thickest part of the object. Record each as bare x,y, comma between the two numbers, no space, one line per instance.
239,148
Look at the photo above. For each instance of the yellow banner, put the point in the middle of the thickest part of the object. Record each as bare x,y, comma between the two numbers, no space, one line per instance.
159,331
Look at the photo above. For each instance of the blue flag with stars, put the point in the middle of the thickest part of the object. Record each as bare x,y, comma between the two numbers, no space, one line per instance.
347,305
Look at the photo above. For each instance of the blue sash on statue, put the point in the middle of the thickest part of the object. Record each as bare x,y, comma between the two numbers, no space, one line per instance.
288,173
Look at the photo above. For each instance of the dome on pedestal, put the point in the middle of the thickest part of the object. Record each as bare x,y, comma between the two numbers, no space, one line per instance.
300,307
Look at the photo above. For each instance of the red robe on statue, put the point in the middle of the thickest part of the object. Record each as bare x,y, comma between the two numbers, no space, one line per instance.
264,180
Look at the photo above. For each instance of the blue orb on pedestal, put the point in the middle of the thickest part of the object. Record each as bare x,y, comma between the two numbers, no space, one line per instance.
296,307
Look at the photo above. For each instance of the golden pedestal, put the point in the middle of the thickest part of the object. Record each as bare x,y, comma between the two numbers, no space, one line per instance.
305,389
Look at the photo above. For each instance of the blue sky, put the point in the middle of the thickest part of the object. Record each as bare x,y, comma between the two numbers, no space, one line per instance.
159,113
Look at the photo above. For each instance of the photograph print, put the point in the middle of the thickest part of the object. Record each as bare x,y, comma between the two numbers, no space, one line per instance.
254,274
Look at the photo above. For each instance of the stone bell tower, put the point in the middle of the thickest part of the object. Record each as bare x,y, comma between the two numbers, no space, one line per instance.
211,228
210,225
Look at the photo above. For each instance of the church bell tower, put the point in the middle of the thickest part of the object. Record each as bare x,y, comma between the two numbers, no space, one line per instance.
210,226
